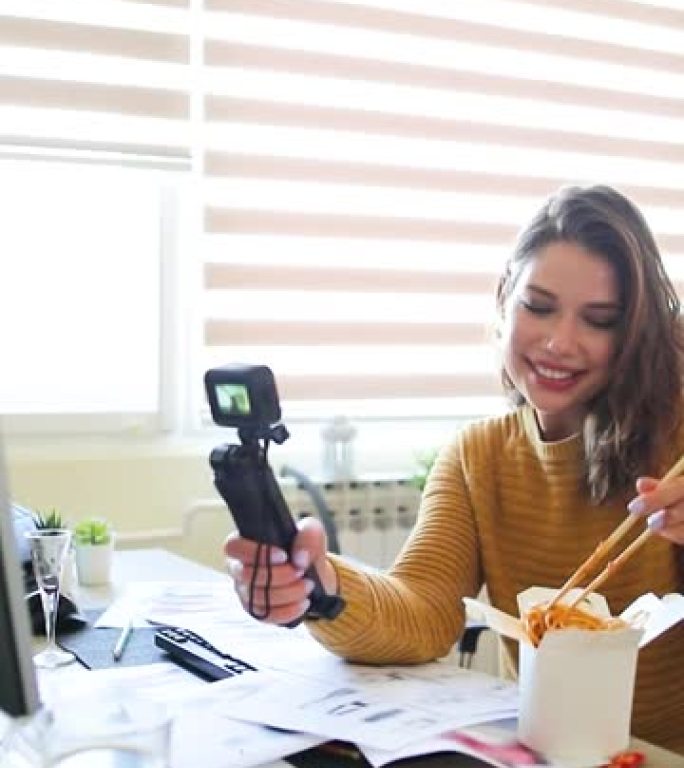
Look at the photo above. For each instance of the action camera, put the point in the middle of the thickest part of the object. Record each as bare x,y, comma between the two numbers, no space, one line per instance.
245,397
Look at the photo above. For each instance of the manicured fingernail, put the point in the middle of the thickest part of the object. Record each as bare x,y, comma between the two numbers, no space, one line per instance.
309,586
636,506
301,559
656,521
278,557
235,568
304,606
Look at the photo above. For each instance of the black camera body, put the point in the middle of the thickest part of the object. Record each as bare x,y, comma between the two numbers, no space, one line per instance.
245,397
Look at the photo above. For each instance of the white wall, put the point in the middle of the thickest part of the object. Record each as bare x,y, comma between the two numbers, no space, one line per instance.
143,488
155,490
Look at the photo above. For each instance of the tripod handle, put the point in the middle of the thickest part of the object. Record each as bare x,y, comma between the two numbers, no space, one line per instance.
247,485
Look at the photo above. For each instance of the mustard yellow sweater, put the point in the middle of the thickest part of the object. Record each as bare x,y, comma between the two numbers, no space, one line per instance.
505,509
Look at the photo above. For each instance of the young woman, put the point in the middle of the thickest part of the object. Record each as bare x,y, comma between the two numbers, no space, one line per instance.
592,351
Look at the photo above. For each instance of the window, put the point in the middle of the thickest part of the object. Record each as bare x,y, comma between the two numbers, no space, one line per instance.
84,252
362,167
94,111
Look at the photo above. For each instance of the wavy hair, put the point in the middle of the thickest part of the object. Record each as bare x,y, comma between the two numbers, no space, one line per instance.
629,424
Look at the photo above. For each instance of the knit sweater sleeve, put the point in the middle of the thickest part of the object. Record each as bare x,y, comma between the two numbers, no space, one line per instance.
414,612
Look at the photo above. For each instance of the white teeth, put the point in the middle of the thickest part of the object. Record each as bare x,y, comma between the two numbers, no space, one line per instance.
549,373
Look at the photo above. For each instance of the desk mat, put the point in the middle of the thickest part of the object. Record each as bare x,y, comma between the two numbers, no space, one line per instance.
93,646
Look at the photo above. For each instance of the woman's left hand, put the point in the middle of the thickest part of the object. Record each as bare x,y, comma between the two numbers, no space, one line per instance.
661,502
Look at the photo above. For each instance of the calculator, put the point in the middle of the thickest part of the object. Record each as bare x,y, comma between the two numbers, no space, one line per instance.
194,653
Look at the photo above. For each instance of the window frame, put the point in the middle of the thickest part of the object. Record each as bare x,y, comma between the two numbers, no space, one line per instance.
173,236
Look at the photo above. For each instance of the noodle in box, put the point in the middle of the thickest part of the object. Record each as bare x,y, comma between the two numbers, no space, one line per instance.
578,668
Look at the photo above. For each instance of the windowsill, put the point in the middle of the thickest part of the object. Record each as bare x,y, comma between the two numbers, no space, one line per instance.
378,448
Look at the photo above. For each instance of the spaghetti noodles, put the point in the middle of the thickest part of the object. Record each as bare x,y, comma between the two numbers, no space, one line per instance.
544,617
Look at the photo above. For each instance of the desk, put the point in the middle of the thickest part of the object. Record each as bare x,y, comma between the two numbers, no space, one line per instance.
157,564
135,565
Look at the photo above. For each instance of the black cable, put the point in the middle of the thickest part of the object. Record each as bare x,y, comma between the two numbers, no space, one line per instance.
253,582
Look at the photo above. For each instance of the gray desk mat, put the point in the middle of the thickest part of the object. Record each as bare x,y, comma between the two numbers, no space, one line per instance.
93,646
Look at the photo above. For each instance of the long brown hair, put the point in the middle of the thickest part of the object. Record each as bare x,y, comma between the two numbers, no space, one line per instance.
629,424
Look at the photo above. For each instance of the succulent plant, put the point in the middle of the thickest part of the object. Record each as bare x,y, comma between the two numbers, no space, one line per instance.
93,530
51,520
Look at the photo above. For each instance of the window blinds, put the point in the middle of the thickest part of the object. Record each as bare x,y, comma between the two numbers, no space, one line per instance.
368,164
99,77
363,166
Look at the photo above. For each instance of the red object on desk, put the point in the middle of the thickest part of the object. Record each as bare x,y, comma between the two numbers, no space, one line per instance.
627,760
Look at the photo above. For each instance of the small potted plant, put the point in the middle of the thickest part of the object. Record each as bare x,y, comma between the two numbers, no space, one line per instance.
53,521
49,521
93,548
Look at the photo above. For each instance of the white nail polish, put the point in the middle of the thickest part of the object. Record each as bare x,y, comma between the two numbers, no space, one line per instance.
305,605
656,521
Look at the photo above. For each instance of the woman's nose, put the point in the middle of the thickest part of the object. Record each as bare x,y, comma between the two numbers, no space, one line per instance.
562,337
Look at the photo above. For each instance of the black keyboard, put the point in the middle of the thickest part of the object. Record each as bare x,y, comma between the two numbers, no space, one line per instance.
195,653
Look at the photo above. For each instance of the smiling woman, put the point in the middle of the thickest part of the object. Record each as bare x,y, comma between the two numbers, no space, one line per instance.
590,325
600,405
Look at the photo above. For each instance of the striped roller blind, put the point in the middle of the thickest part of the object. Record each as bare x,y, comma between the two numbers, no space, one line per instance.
364,166
368,164
103,76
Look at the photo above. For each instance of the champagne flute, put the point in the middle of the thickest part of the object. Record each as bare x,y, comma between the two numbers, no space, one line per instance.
49,547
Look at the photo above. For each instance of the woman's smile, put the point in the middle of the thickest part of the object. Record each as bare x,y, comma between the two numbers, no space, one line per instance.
553,377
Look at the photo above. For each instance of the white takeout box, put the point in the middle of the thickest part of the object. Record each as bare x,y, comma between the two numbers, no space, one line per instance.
577,687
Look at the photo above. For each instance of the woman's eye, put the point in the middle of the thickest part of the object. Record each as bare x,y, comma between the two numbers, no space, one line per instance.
537,309
603,323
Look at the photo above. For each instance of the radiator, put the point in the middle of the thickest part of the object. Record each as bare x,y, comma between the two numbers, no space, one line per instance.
372,516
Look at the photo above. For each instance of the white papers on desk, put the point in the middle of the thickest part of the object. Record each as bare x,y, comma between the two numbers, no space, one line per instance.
300,686
164,682
206,734
385,708
202,733
172,603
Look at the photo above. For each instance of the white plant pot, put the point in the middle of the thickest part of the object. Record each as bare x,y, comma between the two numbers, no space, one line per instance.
94,563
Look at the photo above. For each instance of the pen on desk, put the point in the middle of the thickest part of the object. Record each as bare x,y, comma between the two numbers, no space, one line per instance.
122,640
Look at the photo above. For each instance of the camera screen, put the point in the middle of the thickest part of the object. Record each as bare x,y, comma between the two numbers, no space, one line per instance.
233,399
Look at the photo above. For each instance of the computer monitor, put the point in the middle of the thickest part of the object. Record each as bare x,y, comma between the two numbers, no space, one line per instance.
18,690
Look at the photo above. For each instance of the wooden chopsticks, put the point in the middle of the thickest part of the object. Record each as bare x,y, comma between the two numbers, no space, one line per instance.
603,549
613,565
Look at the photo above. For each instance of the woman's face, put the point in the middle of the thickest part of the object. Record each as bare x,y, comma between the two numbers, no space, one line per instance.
560,334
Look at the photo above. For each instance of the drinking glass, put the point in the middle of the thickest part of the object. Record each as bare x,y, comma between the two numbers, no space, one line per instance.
49,547
116,729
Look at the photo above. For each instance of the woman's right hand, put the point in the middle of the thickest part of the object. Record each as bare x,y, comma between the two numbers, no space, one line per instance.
286,598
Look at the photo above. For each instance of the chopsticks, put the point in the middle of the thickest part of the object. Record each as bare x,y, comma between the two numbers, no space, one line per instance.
604,547
613,565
